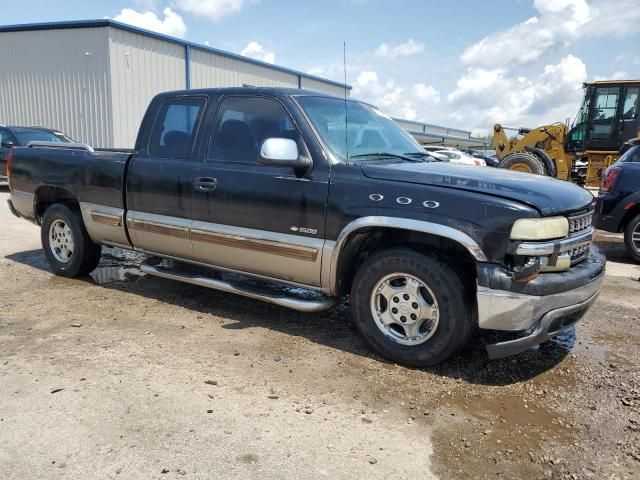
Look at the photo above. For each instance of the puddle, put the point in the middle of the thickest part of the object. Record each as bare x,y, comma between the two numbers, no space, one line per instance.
494,437
117,265
585,346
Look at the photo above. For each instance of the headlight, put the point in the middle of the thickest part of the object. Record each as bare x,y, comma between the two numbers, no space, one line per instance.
540,228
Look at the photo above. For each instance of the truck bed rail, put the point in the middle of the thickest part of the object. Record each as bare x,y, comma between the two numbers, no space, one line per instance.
61,145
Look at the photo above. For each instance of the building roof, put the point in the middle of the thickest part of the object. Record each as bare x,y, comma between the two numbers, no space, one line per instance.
29,27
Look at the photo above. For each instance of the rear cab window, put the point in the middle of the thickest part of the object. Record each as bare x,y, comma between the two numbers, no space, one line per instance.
176,127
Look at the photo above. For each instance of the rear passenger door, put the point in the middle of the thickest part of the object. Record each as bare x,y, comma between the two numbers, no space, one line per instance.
256,218
159,178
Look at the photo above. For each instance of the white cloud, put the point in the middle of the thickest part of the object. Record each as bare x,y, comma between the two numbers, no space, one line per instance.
171,24
410,102
406,49
212,9
258,52
483,97
558,23
613,18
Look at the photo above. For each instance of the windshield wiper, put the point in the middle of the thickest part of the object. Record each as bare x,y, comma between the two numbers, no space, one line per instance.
385,154
423,155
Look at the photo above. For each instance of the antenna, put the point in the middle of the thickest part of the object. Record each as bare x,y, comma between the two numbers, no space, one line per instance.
346,122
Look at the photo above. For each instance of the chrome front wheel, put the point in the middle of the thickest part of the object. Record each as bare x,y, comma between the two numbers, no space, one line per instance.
405,309
61,241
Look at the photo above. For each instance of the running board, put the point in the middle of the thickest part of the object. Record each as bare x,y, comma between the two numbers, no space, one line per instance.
299,304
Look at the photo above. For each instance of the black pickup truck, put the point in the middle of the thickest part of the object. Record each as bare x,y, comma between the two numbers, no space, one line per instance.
327,195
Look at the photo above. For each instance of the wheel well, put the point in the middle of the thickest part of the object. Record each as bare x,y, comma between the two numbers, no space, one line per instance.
629,214
47,196
362,244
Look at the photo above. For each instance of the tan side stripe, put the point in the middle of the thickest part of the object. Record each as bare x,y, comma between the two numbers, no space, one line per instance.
160,229
106,219
299,252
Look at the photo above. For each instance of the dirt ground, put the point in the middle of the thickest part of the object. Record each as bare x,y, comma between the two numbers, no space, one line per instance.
123,375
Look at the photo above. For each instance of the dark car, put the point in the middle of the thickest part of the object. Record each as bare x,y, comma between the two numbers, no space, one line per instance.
20,137
618,204
333,198
490,160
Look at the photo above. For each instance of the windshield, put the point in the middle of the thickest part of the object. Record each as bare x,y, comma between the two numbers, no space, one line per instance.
26,135
631,155
367,134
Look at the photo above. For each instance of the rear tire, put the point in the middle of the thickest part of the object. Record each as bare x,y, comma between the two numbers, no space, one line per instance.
632,238
66,243
427,317
523,162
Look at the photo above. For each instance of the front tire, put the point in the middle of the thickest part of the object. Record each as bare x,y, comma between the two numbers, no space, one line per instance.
523,162
66,243
411,308
632,238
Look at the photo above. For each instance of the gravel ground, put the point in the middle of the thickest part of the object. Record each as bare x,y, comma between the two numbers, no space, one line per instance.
123,375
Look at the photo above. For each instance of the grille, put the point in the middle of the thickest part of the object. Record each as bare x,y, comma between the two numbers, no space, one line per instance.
578,254
579,224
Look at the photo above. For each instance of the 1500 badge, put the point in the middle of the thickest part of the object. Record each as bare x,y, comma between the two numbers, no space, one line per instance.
310,231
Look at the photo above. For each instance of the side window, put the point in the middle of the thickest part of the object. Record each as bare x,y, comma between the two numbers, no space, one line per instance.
6,136
633,155
630,107
243,123
176,127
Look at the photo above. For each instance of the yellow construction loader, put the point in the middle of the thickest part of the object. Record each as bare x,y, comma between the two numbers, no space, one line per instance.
609,117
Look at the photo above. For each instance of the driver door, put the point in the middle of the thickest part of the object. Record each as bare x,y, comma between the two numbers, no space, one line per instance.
603,131
262,219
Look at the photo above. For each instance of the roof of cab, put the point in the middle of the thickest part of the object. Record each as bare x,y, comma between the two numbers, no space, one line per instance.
267,91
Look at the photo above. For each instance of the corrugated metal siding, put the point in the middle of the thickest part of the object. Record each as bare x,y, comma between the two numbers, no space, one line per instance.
437,130
57,79
319,86
209,70
141,67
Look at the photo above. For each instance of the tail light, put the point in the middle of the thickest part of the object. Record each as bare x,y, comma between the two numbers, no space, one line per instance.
9,162
609,179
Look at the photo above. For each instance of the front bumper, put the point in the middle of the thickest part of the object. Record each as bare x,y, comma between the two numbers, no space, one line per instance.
540,316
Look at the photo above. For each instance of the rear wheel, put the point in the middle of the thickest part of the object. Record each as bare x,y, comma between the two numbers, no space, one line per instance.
411,308
523,162
632,238
66,243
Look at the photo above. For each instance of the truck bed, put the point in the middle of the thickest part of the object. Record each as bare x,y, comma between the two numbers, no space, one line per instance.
91,177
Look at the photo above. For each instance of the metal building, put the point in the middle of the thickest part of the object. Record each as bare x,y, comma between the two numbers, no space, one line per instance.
94,79
428,134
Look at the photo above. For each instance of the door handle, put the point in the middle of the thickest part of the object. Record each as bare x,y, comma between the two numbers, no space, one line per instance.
205,184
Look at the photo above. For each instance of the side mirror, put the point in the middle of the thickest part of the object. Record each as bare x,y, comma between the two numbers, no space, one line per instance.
8,144
282,152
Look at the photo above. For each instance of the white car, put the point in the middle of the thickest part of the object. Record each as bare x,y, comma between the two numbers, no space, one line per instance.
439,156
455,155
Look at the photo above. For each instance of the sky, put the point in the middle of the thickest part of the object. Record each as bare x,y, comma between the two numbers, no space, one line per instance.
463,63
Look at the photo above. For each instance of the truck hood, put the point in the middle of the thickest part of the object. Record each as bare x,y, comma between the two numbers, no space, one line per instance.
549,196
